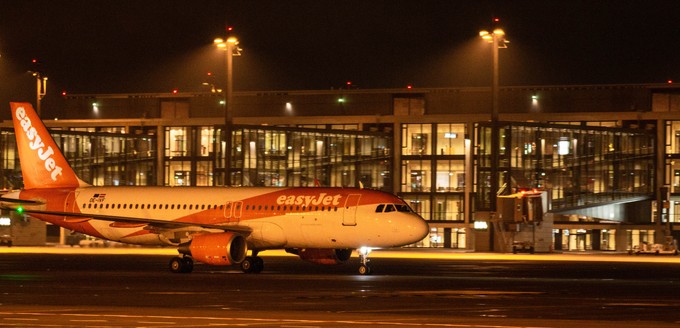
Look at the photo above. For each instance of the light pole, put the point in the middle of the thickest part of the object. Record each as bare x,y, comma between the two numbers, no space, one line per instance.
497,39
231,49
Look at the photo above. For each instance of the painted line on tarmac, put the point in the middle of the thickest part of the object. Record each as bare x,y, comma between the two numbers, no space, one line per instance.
406,253
233,320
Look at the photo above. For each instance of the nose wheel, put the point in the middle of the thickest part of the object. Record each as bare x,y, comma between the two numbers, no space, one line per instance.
364,269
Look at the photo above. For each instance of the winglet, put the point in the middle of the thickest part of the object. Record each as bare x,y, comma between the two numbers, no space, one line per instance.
42,163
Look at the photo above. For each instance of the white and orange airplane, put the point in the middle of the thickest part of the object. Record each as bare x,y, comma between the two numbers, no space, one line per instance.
212,225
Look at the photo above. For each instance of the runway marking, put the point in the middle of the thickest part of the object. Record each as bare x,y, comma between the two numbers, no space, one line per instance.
257,321
465,292
412,253
178,293
640,304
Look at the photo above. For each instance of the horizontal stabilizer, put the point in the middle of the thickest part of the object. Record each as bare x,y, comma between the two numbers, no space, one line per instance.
21,201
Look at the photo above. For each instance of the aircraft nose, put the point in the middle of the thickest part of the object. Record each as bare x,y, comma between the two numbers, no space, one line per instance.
418,228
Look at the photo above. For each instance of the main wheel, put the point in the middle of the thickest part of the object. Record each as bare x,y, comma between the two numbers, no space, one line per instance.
176,264
181,264
258,264
188,265
252,264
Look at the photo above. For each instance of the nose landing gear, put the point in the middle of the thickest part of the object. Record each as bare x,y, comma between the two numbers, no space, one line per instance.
364,269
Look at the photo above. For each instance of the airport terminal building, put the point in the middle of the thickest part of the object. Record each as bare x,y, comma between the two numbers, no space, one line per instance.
602,156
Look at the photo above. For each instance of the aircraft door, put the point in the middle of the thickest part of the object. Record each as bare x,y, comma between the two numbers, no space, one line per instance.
70,204
233,211
227,210
349,215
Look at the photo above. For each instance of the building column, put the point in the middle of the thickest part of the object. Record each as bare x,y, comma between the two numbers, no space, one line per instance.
469,180
160,155
447,238
396,164
596,239
661,229
622,240
558,240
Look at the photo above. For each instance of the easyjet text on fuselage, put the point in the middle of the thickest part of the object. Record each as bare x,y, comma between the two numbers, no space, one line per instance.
321,199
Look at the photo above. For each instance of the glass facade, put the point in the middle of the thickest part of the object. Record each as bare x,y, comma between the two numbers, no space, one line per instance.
98,158
445,168
455,238
309,157
590,239
672,178
277,157
578,166
433,172
190,155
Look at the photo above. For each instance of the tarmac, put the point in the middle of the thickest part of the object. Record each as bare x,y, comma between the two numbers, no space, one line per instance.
412,253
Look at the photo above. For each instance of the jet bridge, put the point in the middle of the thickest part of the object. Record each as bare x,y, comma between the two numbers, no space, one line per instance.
522,224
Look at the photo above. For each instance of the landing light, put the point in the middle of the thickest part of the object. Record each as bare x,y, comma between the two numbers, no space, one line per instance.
365,250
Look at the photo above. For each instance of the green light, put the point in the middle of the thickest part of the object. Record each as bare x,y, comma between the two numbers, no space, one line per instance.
341,100
20,209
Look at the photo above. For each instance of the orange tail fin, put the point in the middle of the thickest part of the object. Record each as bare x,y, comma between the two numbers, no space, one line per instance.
42,163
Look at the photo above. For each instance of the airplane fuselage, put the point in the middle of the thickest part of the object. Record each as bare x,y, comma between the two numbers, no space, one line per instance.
278,217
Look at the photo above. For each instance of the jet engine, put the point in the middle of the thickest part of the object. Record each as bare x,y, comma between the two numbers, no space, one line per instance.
216,248
322,255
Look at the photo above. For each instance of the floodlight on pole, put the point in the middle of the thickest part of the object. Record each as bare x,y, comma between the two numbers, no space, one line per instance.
497,39
231,49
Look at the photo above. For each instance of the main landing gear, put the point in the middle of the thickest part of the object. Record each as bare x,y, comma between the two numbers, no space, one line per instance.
364,269
252,264
184,264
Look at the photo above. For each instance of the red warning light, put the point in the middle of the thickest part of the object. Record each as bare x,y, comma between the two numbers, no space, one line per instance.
670,81
230,28
496,19
209,73
409,87
63,93
175,91
34,61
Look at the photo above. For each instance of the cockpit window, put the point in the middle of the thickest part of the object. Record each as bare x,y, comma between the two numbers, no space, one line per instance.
403,208
380,208
393,207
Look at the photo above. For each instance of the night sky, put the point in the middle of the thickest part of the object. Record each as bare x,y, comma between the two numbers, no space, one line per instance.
107,46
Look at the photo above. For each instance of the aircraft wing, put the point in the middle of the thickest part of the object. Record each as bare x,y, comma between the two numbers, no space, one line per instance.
157,223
